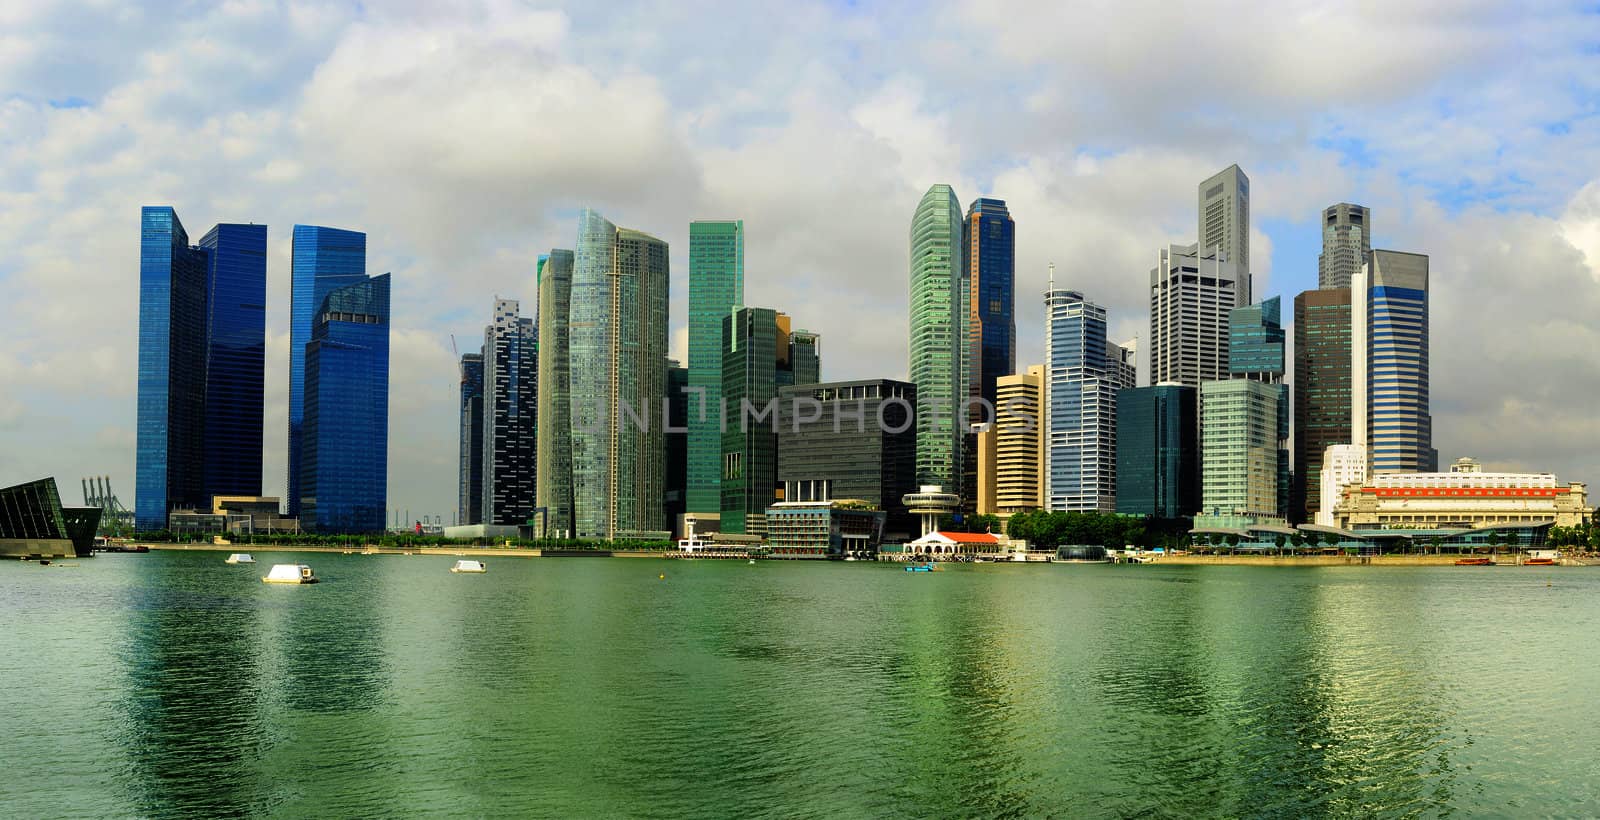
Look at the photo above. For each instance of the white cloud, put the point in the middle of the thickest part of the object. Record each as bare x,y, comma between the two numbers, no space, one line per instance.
463,138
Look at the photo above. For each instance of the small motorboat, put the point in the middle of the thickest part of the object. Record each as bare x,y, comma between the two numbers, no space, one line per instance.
240,558
928,567
1539,562
290,574
469,566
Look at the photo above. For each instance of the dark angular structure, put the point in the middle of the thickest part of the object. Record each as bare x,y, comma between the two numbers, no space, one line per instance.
33,522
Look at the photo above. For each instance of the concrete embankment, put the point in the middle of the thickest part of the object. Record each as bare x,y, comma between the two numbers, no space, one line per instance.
1327,560
477,552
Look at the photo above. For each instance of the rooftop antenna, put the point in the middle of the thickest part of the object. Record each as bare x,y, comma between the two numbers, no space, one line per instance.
1052,276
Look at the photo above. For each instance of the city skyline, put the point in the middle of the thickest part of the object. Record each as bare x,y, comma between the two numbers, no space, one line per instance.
1097,200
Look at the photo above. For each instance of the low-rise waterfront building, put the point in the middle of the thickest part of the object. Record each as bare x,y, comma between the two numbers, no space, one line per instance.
841,528
33,522
1465,497
943,543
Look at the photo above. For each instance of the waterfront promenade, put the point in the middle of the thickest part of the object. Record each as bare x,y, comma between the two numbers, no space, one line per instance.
1447,559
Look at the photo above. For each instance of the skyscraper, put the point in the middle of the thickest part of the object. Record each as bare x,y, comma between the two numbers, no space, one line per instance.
716,287
344,464
1239,448
1321,391
236,359
1256,352
938,336
202,354
553,474
172,366
1084,373
469,495
989,250
1225,222
760,355
321,260
1158,452
677,440
1346,241
1398,425
510,415
618,343
1011,465
1190,298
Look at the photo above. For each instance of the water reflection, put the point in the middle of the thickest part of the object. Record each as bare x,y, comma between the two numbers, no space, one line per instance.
192,724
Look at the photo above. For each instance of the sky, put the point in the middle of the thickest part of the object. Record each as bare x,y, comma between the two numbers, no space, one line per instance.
464,138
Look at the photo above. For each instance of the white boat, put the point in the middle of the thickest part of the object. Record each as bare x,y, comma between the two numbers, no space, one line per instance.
290,574
240,558
469,566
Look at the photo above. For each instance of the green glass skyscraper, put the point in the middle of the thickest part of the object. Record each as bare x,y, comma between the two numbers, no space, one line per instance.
618,352
760,355
553,485
716,288
938,335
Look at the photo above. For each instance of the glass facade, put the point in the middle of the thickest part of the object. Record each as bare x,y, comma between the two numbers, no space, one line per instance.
760,355
990,249
1083,373
862,445
469,504
716,288
321,260
236,359
618,350
1158,456
1239,448
938,336
1321,391
1256,341
171,385
553,474
344,473
510,416
1399,426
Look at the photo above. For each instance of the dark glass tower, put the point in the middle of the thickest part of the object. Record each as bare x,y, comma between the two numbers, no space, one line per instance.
510,416
322,260
172,362
236,358
1158,454
677,437
989,265
469,506
344,467
862,445
1321,391
759,355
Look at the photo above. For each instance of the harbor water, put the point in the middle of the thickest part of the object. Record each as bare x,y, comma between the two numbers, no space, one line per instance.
173,685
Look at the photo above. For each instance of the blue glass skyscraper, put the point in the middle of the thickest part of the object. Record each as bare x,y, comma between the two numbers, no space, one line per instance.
1399,426
172,361
202,352
236,358
322,260
344,463
989,249
1084,373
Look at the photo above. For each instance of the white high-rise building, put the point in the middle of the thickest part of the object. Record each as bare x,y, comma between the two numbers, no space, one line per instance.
1190,298
1225,221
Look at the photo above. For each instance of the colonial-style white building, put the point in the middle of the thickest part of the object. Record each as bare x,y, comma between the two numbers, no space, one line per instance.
1465,497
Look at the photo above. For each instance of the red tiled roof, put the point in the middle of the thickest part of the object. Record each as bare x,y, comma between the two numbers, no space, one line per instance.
970,537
